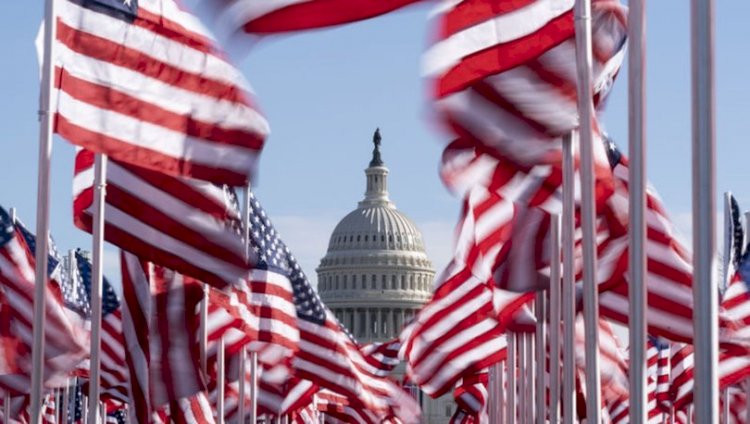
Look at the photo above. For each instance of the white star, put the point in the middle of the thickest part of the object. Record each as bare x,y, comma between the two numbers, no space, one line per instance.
127,3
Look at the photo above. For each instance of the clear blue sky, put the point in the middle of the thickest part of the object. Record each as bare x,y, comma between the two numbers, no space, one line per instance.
325,92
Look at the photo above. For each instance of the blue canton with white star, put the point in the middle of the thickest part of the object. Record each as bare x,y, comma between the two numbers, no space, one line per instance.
77,293
126,10
53,260
6,228
269,252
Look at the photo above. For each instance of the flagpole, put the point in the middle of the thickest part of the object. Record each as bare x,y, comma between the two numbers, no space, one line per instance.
241,394
530,378
253,387
554,320
204,331
637,193
521,380
500,390
728,237
6,406
42,211
253,355
100,192
705,318
220,383
511,370
568,284
65,402
541,356
588,209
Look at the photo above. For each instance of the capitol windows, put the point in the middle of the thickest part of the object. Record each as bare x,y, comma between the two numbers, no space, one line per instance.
345,283
373,282
393,282
366,237
354,282
411,282
383,284
403,282
336,285
358,239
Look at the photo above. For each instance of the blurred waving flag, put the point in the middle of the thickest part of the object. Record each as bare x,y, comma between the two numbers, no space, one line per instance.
273,16
183,224
143,82
64,344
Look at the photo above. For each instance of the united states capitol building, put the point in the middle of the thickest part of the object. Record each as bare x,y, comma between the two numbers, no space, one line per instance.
376,275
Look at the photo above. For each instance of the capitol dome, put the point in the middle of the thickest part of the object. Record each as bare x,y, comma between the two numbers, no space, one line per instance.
375,274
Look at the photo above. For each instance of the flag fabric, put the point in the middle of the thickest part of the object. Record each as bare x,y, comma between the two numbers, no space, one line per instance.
734,236
669,271
144,83
505,73
269,16
77,298
658,356
382,356
54,260
327,355
64,343
472,396
192,410
136,326
169,300
183,224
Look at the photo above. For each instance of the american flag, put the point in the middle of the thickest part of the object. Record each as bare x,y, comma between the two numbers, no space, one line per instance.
505,74
183,224
144,83
327,355
472,396
161,328
269,16
54,261
64,343
77,297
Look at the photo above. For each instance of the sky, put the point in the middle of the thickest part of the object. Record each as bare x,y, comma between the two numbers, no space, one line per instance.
325,92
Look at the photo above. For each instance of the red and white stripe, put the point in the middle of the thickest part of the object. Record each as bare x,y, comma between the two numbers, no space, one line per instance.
136,324
382,357
734,367
64,342
273,16
192,410
179,223
505,73
175,361
669,271
156,92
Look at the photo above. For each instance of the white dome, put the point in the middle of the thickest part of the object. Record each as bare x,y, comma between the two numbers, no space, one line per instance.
375,274
376,227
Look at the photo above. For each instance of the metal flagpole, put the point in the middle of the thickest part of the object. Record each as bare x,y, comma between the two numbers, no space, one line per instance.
540,364
705,293
521,380
100,191
204,332
728,237
493,393
530,378
568,284
243,370
220,383
554,321
511,370
253,355
253,386
6,407
637,205
65,402
588,209
500,391
85,412
42,210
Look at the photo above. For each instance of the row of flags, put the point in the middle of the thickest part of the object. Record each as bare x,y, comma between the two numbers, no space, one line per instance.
145,84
